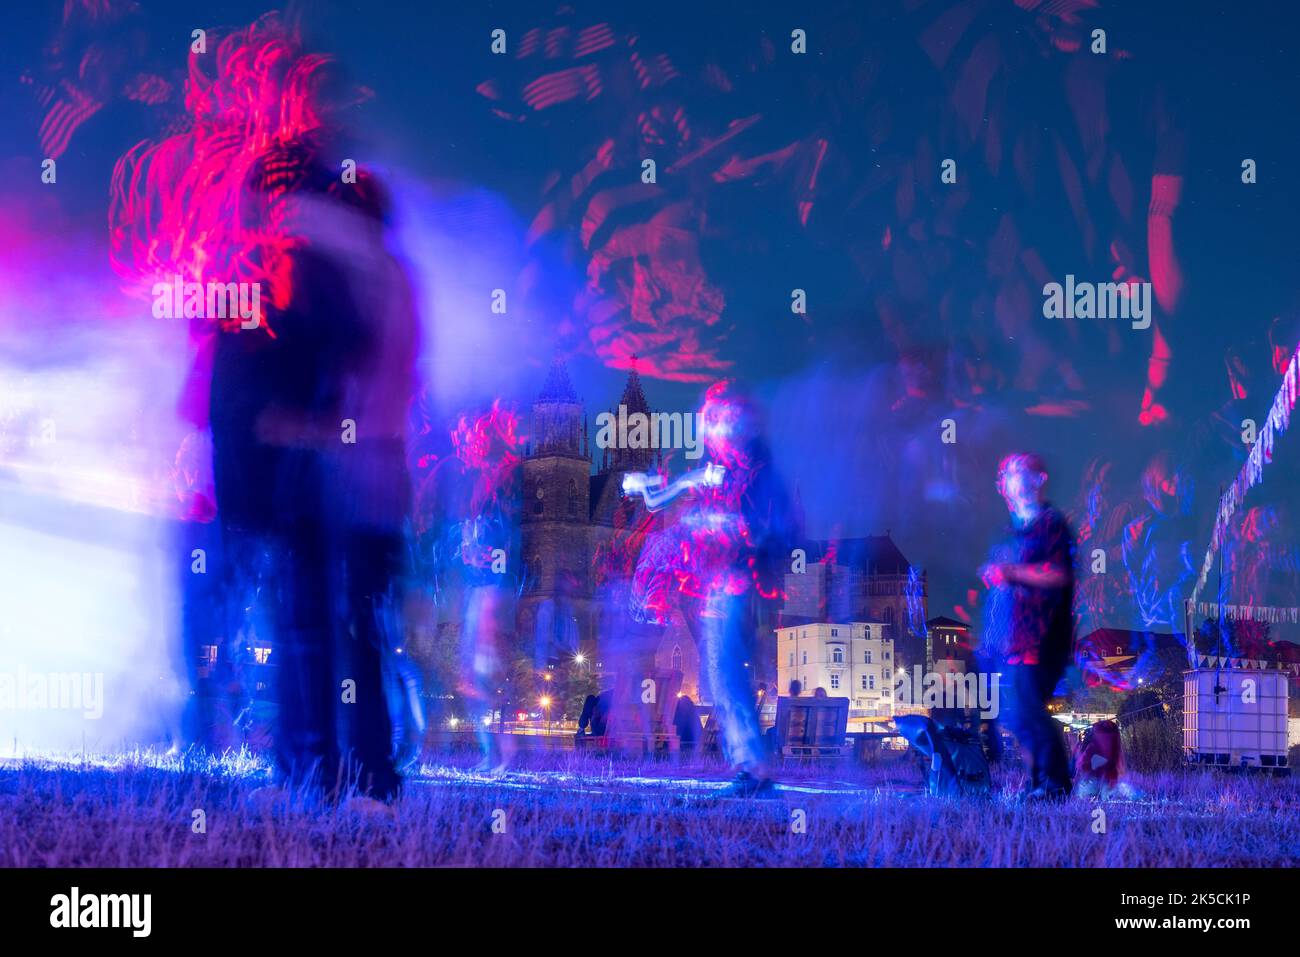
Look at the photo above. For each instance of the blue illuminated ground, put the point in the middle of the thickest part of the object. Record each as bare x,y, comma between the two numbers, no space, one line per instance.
573,809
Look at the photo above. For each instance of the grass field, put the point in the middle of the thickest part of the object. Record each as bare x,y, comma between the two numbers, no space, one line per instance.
578,810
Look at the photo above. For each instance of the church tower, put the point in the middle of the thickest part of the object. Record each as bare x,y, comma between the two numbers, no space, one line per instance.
618,459
555,519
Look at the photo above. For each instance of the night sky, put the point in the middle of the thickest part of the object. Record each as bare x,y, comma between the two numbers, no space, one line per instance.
818,172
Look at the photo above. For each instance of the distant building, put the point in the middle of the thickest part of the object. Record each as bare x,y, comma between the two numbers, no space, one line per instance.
950,646
1118,651
853,660
574,526
861,579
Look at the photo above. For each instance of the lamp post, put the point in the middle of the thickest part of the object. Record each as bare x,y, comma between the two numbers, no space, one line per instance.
545,702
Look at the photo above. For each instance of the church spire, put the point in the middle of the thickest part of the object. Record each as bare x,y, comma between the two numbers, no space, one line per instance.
558,426
633,394
628,459
558,386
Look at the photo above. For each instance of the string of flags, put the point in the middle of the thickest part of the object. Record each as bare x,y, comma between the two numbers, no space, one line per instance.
1268,613
1245,664
1252,473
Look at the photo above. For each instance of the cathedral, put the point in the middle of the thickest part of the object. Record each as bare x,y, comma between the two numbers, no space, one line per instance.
580,538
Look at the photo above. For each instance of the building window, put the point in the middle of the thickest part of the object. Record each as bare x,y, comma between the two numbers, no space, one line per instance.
837,656
538,506
866,657
677,657
792,659
871,682
573,499
886,656
886,674
835,682
835,632
805,658
864,683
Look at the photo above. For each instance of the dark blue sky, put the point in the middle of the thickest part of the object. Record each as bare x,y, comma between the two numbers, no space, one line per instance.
921,306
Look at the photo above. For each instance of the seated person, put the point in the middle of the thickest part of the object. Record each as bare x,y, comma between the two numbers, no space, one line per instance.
595,713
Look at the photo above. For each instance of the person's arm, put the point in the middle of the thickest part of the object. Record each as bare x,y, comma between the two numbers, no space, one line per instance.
1053,572
1041,575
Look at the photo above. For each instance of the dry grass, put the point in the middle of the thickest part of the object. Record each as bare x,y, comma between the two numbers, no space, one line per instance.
572,809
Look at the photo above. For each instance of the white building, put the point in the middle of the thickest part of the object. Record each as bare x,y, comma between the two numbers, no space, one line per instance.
854,661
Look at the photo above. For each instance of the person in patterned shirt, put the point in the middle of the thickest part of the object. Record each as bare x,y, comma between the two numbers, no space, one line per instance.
1032,576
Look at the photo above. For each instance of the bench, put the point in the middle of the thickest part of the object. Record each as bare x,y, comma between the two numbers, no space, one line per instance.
812,729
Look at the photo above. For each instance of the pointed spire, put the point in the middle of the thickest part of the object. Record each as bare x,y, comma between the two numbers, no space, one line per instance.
558,386
633,394
558,426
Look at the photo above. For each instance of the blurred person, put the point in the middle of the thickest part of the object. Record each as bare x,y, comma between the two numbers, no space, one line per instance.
594,720
686,721
1033,577
742,529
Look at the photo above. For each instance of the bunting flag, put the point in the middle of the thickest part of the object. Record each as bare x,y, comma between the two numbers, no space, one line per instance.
1246,664
1252,473
1268,613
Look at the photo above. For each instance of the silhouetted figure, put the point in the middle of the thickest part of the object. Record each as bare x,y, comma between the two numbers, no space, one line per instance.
323,506
686,720
594,720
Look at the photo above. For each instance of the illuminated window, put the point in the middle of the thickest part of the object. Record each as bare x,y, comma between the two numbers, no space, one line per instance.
261,655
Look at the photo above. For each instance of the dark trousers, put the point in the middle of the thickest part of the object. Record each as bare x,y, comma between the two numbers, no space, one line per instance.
372,565
1030,688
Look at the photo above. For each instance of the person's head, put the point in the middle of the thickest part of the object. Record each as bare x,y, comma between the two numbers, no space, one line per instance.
1021,477
819,693
796,688
729,425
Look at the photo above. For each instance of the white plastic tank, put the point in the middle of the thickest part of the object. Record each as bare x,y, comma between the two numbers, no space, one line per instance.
1235,716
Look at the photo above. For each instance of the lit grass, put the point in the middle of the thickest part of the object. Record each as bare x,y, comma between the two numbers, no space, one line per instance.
582,810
